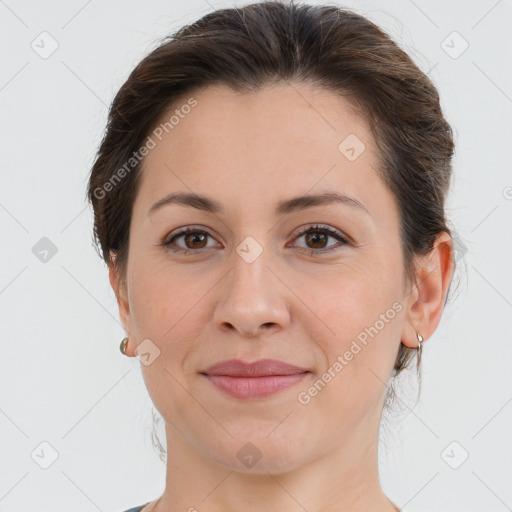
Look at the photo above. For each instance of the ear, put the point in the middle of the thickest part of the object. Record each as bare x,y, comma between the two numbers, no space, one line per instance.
425,303
120,290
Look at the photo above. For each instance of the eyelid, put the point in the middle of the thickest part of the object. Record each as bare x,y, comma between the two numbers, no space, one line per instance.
178,232
322,227
330,231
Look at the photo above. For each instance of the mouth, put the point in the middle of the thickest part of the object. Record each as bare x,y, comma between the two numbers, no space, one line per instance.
259,379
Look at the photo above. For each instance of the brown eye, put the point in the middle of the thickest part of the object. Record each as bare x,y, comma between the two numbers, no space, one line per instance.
194,239
316,238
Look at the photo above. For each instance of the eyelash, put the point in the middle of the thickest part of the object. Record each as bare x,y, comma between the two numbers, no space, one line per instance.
317,228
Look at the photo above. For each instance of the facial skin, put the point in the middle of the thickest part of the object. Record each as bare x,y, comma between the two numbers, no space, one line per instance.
249,152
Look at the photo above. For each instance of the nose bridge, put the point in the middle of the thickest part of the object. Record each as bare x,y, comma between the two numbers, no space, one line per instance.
252,297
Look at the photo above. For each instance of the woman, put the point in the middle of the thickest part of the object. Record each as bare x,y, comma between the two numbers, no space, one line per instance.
269,198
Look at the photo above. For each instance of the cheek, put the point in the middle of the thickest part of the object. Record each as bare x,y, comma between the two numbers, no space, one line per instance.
162,299
166,310
359,356
359,314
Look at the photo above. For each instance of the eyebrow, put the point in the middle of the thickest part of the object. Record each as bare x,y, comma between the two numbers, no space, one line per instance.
283,207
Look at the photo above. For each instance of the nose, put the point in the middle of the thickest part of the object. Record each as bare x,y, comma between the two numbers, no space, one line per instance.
253,299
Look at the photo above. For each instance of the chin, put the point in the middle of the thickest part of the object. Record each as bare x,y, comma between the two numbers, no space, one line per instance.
259,455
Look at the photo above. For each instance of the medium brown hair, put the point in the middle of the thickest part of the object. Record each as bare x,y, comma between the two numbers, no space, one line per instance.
269,42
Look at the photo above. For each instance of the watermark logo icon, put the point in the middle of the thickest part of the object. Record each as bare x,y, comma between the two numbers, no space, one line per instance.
44,250
351,147
454,45
44,45
455,455
146,352
44,455
249,454
249,250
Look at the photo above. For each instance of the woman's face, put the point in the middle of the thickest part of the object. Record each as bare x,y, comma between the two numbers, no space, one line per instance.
249,284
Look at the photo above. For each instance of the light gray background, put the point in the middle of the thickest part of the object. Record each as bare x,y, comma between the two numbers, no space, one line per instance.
62,378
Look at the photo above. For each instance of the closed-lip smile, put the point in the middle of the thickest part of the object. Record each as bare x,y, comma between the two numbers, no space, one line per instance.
258,379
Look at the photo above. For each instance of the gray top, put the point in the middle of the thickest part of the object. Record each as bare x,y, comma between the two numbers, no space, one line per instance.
137,509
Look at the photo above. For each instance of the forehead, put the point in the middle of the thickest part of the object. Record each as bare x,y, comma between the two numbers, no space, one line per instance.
285,137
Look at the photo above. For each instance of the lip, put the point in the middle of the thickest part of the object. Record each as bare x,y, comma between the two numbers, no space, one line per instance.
258,379
261,368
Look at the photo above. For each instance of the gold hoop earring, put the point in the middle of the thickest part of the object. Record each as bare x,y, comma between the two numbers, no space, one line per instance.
123,345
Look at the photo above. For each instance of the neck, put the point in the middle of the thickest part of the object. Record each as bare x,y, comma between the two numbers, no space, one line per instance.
344,479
